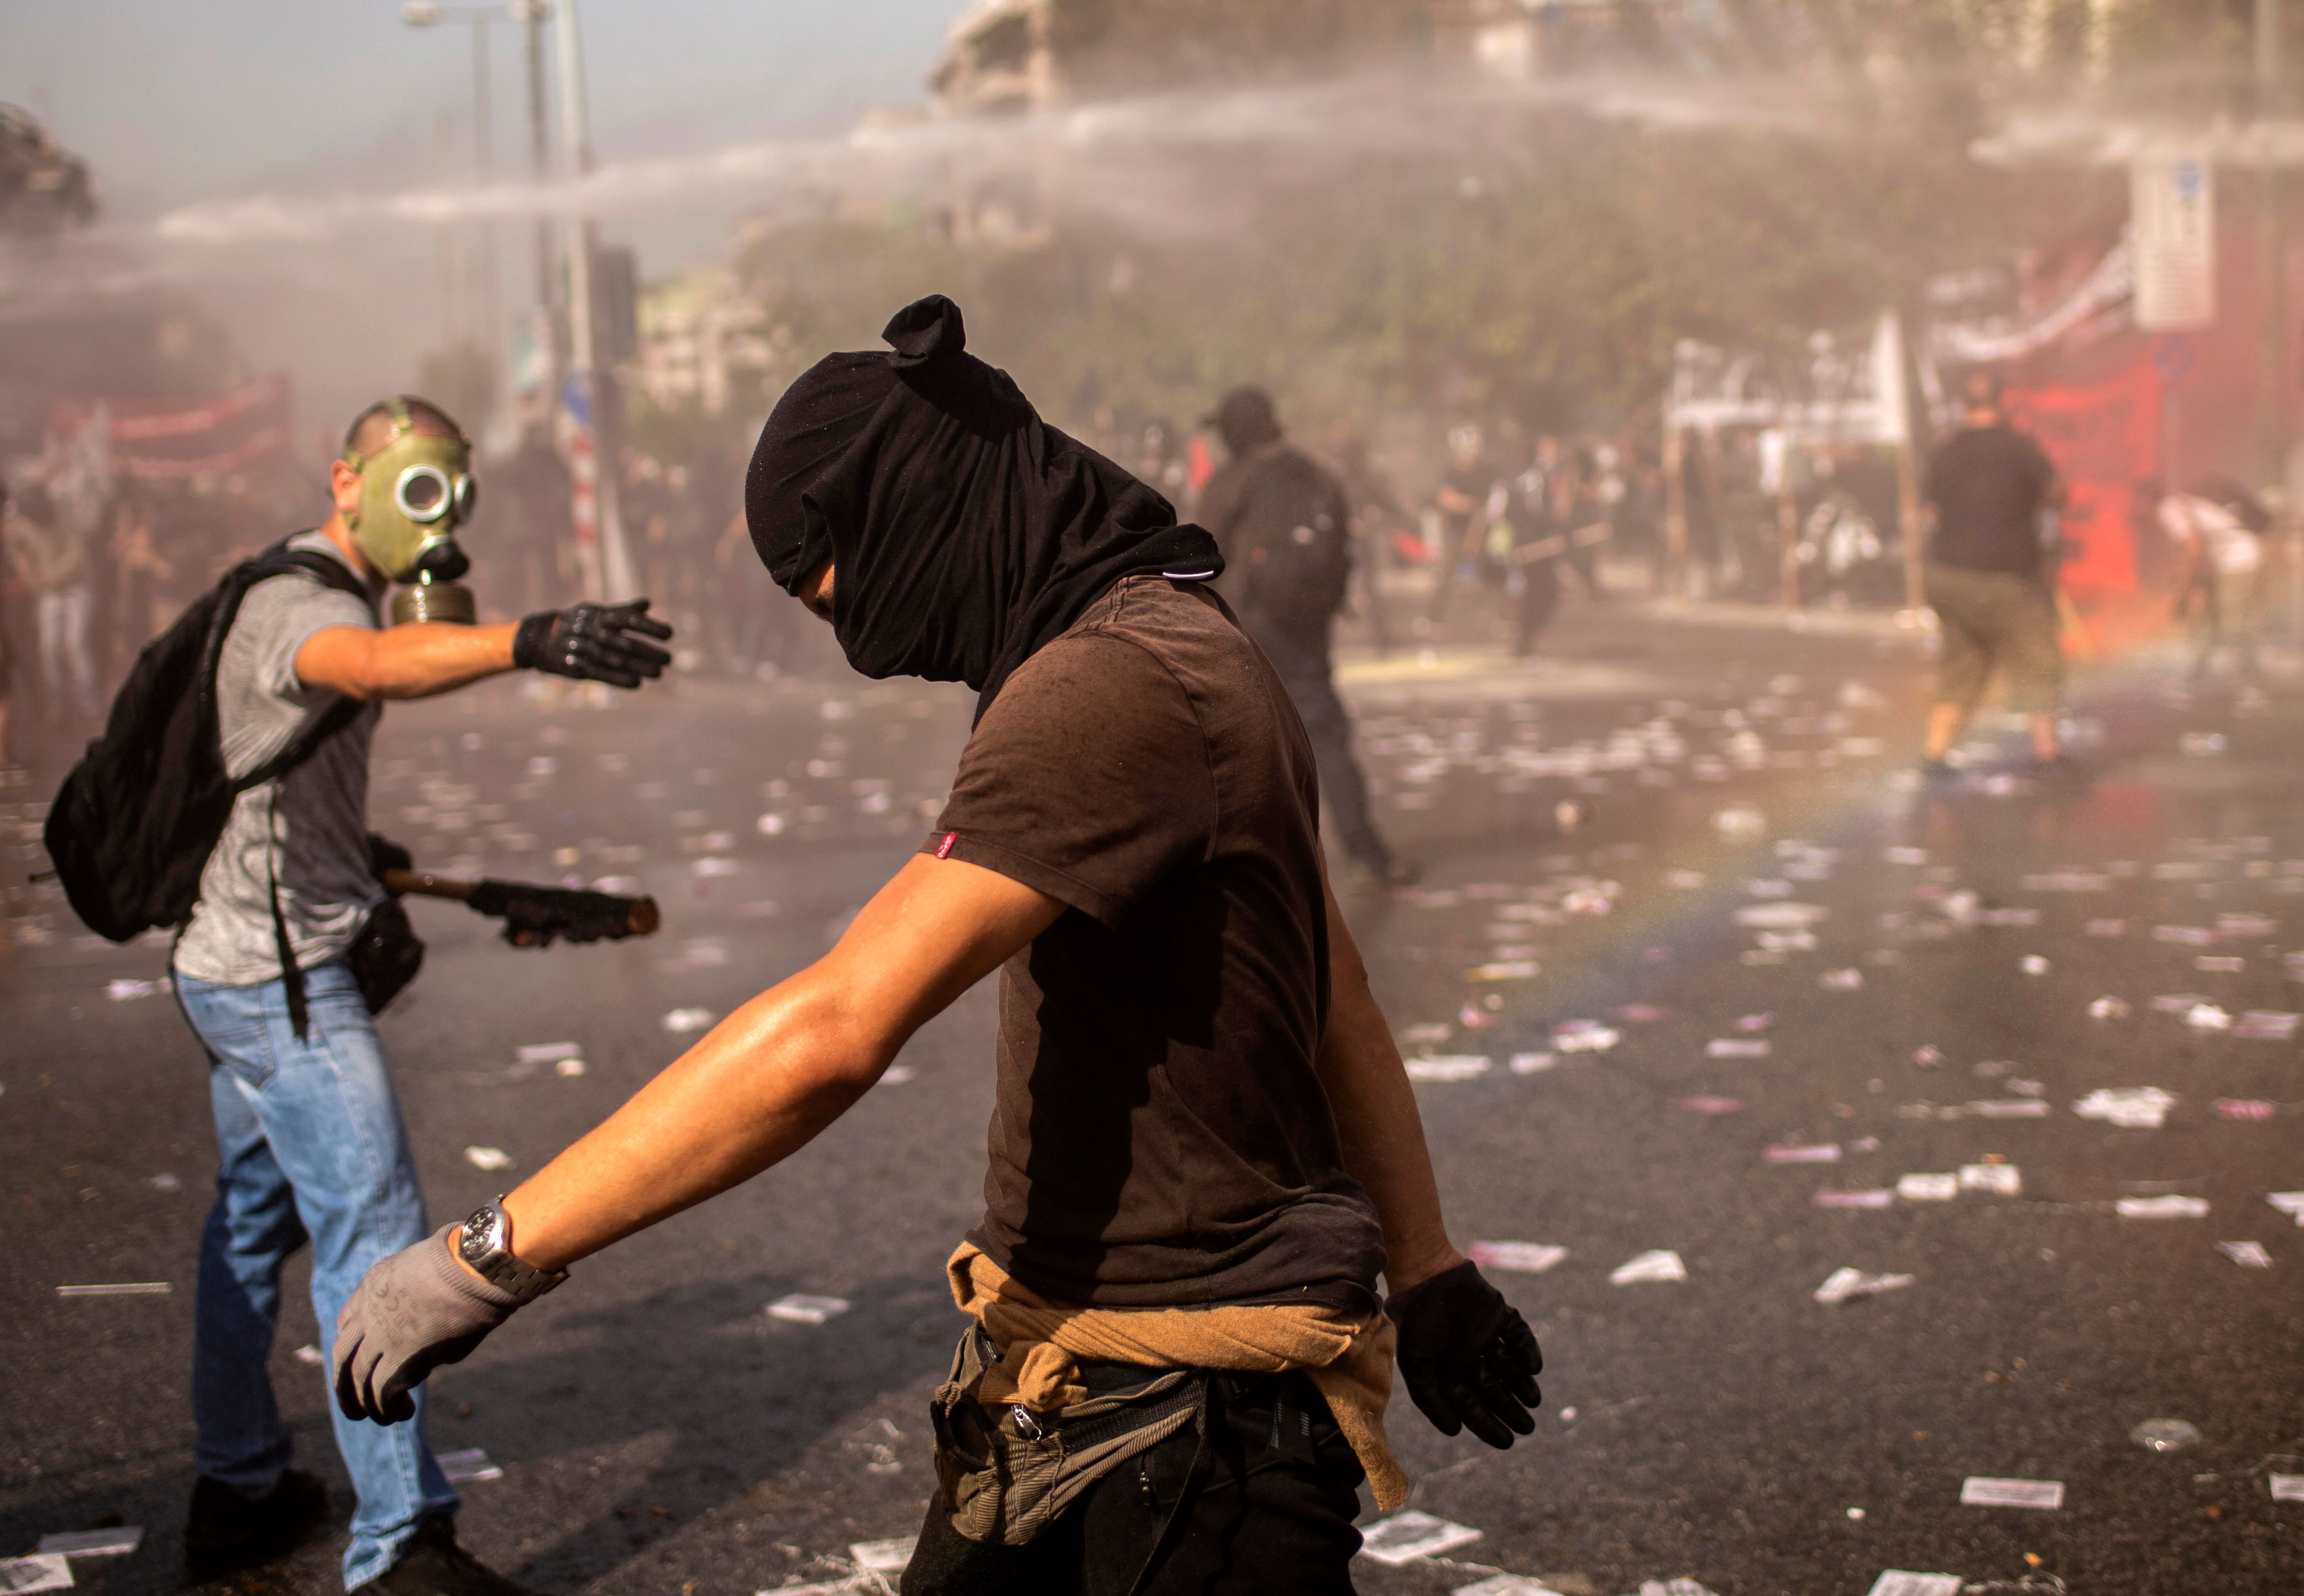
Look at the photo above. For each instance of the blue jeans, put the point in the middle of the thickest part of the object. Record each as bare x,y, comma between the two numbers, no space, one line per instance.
313,1148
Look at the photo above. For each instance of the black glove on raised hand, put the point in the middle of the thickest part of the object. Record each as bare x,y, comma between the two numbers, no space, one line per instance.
594,643
413,1312
1468,1357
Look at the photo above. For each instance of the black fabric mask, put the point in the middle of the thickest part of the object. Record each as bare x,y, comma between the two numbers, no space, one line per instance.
964,532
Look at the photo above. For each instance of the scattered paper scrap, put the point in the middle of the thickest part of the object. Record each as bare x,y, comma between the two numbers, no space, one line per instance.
488,1158
1660,1264
883,1557
680,1022
1782,916
2287,1488
1533,1063
1407,1536
2174,1206
1842,1284
118,1288
1507,1585
1927,1189
1880,1197
124,991
1704,1104
309,1355
2107,1009
549,1052
1429,1031
1897,1582
2130,1108
2289,1202
2002,1180
800,1308
2248,1254
1737,1047
93,1543
2165,1435
1585,1036
1825,1152
1447,1067
1510,969
2004,1108
1683,1586
1519,1257
1978,1491
51,1572
1847,980
469,1464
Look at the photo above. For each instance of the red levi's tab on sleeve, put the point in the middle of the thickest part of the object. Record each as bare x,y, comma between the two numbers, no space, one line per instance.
943,849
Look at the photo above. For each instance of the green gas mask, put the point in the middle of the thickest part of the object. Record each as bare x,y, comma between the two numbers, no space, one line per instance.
415,492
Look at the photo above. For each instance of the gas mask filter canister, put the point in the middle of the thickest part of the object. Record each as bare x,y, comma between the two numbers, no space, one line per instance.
415,492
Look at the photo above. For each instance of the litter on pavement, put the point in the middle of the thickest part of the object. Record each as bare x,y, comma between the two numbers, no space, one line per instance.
1407,1536
48,1572
118,1288
1897,1582
800,1308
2288,1203
680,1022
2165,1435
2248,1254
94,1543
2130,1108
1842,1284
490,1159
1978,1491
2174,1206
2287,1488
1520,1257
1927,1189
1447,1067
469,1465
1660,1264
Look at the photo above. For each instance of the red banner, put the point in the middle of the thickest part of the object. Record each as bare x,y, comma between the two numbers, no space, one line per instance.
2104,437
177,439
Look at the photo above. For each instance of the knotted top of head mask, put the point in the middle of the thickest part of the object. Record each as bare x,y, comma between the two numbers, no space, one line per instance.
966,532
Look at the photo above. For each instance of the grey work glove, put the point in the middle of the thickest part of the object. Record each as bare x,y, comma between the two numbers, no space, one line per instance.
415,1311
1468,1359
594,643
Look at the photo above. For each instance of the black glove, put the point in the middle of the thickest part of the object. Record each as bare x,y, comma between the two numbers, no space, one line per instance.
534,916
1468,1357
384,854
413,1312
594,643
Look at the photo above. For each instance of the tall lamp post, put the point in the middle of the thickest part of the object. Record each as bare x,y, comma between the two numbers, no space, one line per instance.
589,400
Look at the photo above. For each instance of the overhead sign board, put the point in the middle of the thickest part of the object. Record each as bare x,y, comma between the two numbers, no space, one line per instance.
2172,202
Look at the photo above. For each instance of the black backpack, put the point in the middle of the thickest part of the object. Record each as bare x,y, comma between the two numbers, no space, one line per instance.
1292,554
131,828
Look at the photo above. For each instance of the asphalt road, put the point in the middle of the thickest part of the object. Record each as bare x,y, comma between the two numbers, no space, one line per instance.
658,1430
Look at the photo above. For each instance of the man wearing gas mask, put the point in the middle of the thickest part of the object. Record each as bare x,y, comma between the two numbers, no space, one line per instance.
272,966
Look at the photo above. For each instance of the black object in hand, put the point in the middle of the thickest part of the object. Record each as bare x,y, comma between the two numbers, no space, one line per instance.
594,643
1468,1359
534,916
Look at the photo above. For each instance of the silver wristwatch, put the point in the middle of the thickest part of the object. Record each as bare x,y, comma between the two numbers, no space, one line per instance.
486,1244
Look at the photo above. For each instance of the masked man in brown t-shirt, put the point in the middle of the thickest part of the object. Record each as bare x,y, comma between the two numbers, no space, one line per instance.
1203,1150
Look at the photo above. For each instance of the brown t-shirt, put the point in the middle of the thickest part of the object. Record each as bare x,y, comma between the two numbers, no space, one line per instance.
1159,1136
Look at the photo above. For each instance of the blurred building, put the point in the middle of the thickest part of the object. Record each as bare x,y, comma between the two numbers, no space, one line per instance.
42,188
705,345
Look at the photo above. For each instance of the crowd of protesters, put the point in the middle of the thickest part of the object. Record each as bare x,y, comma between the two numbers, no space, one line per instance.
1463,534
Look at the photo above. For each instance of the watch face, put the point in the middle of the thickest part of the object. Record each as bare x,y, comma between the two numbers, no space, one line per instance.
477,1238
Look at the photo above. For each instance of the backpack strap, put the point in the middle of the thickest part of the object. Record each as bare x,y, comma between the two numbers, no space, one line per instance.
280,560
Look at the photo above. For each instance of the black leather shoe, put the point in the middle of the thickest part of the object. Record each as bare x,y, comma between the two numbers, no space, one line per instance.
433,1564
225,1530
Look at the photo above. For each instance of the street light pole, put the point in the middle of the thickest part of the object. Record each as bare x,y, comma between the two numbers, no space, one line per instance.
599,530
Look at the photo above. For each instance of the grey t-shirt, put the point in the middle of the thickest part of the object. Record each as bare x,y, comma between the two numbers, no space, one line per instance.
308,829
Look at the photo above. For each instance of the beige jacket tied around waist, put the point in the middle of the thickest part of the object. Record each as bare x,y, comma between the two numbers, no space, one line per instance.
1347,1356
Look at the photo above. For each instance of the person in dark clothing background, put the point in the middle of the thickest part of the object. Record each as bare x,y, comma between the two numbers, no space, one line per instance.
1281,520
1986,576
